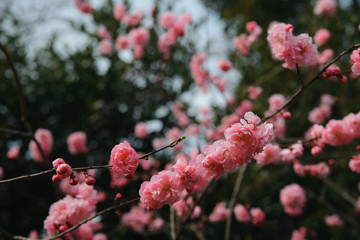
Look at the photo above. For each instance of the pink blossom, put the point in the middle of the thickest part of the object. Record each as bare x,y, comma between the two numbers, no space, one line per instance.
1,172
122,42
299,169
354,164
137,218
224,65
319,114
352,121
293,152
34,235
299,234
276,101
124,159
315,134
198,73
141,130
292,49
220,213
160,190
76,142
336,133
167,20
211,164
186,174
64,170
118,180
241,213
132,20
100,236
13,152
325,56
83,6
156,224
321,36
103,33
270,154
333,220
139,37
254,92
105,47
119,11
192,129
242,44
45,139
254,29
185,18
326,8
258,216
293,198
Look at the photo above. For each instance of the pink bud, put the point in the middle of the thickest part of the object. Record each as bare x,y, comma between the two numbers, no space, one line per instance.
63,227
343,79
64,170
90,181
74,181
56,178
286,115
118,196
57,162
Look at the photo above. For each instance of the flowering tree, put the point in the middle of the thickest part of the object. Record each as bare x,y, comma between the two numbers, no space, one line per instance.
140,135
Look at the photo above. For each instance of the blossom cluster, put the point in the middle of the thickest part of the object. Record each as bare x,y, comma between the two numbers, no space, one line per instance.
138,218
293,50
243,140
243,42
242,215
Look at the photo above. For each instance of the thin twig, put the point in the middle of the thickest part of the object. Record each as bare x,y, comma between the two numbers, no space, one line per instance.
337,189
299,75
24,117
173,144
233,200
172,222
317,76
15,132
198,200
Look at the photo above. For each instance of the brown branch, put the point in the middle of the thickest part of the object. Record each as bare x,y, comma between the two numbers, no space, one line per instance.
187,218
303,87
24,117
233,201
173,144
299,75
15,132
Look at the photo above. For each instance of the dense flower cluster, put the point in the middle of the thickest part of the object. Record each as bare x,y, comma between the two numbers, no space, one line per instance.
69,211
291,49
243,140
320,168
326,8
220,213
138,218
355,58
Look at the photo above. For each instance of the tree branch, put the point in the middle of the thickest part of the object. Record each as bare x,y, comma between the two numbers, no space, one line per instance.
317,76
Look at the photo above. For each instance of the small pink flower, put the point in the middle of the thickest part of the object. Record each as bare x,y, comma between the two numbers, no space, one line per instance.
299,234
119,11
105,47
220,213
254,92
124,159
141,130
64,170
321,36
293,198
45,138
84,6
326,8
241,213
167,20
258,216
333,220
242,44
355,58
122,42
270,154
325,56
354,164
336,133
139,37
293,152
103,33
77,143
156,224
224,65
13,152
